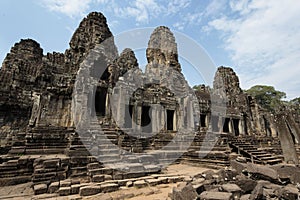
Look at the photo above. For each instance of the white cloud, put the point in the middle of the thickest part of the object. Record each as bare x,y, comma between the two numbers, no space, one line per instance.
176,6
240,6
141,10
264,42
71,8
215,7
179,26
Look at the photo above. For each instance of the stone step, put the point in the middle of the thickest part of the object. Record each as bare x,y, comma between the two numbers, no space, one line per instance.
268,158
263,156
256,152
42,151
274,161
100,171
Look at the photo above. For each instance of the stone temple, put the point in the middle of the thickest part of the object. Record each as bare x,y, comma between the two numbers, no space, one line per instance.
90,121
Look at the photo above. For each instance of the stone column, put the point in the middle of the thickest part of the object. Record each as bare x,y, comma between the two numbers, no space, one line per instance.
220,124
230,126
154,116
242,127
120,108
175,121
139,118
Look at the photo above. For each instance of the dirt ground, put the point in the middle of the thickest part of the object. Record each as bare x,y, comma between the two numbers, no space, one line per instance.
24,191
158,192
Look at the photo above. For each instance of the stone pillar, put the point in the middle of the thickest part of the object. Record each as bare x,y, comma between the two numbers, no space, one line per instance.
175,121
162,118
230,126
220,124
242,127
134,118
139,118
191,116
121,108
154,118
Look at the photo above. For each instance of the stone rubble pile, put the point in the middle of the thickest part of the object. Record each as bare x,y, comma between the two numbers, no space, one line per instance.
243,181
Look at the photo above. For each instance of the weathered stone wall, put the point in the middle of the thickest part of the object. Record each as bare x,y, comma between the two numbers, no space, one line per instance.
37,89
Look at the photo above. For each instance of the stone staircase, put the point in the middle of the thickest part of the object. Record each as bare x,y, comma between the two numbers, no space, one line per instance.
30,155
41,141
247,147
209,149
297,147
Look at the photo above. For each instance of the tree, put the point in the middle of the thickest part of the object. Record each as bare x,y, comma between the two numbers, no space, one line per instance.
295,104
267,96
295,101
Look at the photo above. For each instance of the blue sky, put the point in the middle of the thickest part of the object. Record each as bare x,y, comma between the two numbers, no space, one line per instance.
258,39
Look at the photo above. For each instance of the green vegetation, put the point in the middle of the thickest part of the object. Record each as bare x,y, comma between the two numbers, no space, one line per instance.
267,96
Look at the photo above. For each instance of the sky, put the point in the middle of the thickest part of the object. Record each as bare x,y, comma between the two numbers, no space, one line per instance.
258,39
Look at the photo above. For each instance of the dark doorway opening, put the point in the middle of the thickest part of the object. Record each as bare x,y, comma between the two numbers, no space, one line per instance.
245,124
105,75
128,116
226,125
236,127
100,101
202,120
215,123
146,119
170,120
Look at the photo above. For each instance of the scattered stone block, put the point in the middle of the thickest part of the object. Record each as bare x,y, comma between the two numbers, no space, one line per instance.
129,184
245,197
75,188
65,183
109,187
238,166
40,189
247,185
163,180
89,190
53,187
140,184
64,191
98,178
212,195
107,177
262,172
232,188
183,192
153,182
289,192
258,193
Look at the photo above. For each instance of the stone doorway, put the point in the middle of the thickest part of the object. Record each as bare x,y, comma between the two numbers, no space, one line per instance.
226,125
202,120
146,119
170,120
236,123
100,101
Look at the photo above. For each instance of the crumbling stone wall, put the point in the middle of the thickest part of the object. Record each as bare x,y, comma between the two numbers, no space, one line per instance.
37,89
